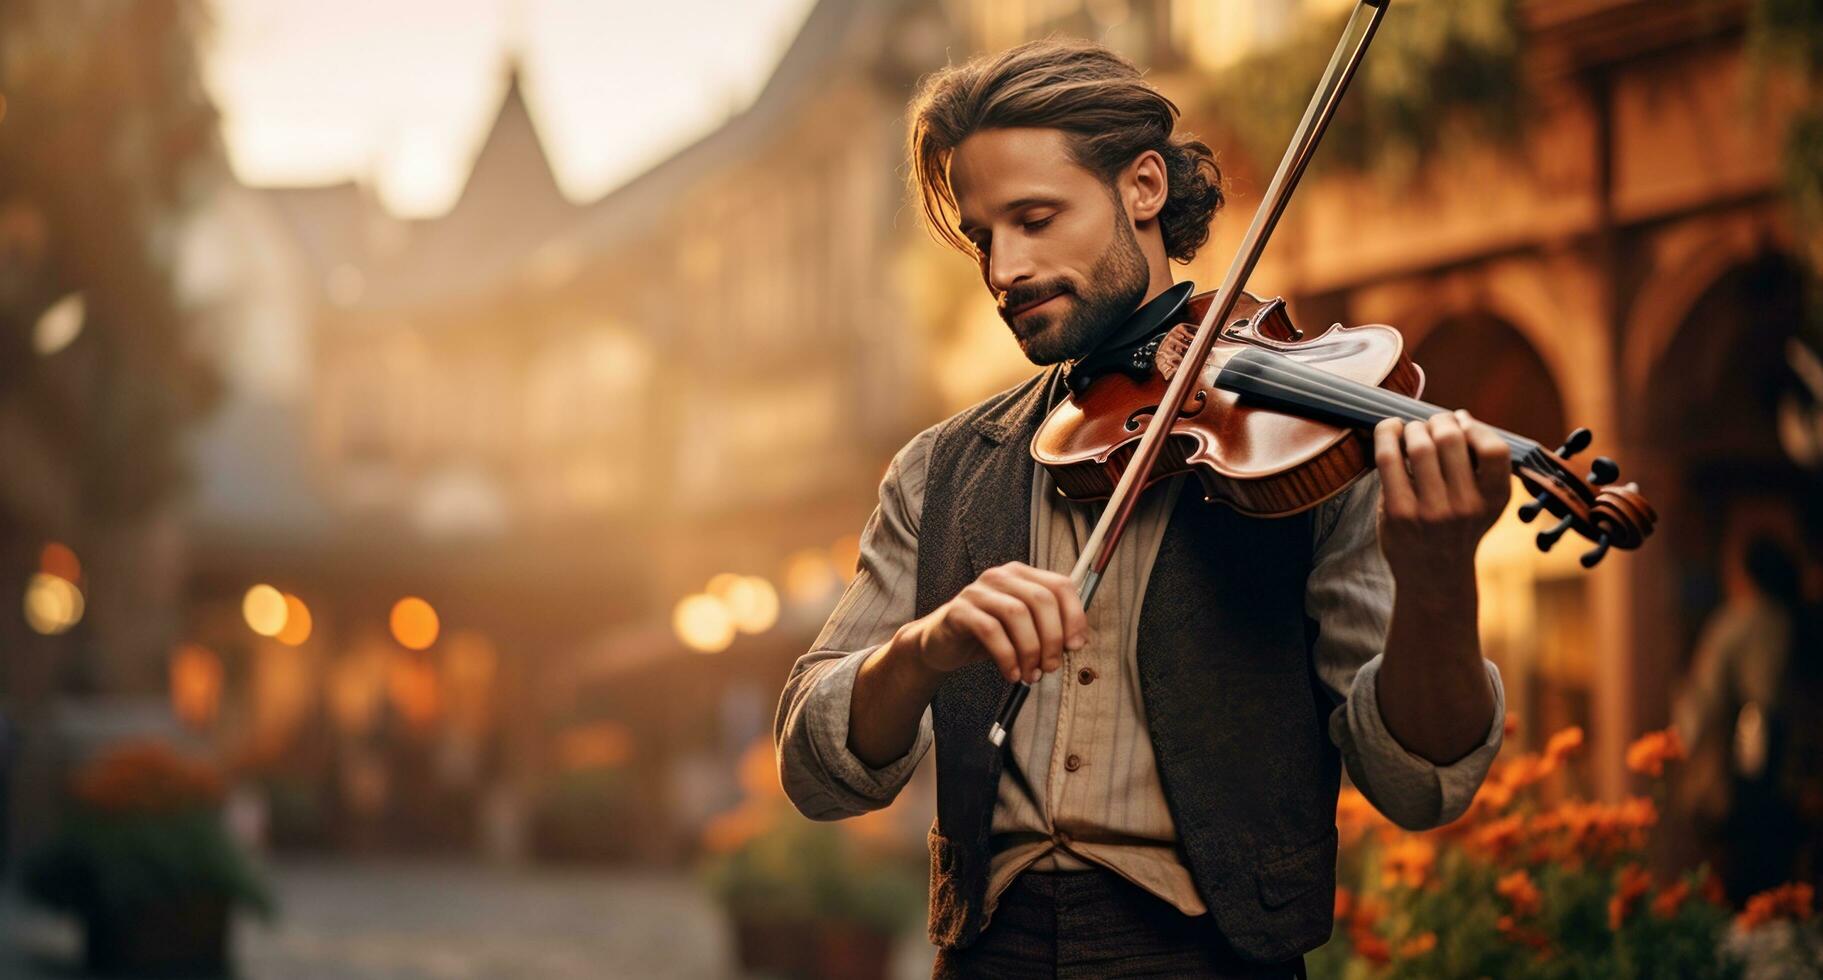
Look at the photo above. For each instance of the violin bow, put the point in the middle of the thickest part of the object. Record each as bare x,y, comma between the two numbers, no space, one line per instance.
1099,548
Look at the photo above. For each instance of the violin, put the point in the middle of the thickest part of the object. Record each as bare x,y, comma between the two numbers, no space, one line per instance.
1272,420
1278,422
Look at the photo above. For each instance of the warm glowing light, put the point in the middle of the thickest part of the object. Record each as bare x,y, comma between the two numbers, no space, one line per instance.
702,623
845,554
602,745
752,603
414,623
809,577
196,685
354,688
264,609
52,604
57,559
469,663
412,686
297,622
59,325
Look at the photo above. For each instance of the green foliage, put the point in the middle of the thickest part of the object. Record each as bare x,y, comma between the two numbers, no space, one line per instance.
1435,67
800,869
115,862
1786,37
107,135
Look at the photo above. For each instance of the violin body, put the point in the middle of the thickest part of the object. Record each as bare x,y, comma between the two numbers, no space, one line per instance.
1262,462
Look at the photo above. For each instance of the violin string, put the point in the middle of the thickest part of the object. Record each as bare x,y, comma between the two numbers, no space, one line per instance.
1348,401
1390,403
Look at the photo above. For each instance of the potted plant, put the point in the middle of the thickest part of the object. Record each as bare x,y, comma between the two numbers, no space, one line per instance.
809,899
144,861
1525,887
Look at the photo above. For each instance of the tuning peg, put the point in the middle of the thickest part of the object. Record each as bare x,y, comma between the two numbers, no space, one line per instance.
1549,536
1530,510
1603,471
1575,443
1593,555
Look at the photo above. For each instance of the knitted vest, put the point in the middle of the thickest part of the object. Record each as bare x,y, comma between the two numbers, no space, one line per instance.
1235,710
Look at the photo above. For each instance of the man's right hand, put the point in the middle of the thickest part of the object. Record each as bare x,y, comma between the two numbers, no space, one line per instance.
1022,618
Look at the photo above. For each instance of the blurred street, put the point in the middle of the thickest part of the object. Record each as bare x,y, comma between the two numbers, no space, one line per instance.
405,920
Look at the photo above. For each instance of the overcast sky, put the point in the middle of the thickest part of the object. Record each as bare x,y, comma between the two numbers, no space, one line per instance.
400,92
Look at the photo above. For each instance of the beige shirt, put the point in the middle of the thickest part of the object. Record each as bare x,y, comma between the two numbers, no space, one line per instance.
1080,785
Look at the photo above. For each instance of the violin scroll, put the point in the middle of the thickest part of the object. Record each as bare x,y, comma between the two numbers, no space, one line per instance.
1612,517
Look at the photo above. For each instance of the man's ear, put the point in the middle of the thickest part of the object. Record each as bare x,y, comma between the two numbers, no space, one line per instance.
1145,185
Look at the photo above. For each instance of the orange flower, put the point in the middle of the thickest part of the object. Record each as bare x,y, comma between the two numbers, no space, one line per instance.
1712,889
731,831
1791,901
1407,863
1355,816
1513,932
1518,889
1368,911
1632,885
1499,838
1418,945
1562,744
146,777
1575,830
1649,753
1372,948
1669,901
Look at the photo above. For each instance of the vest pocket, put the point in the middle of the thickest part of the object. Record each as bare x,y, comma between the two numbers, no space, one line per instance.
948,904
1296,874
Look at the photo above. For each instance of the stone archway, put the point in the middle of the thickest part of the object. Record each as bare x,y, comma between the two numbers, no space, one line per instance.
1706,417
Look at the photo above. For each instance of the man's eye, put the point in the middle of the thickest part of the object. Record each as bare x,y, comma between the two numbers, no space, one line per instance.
1039,223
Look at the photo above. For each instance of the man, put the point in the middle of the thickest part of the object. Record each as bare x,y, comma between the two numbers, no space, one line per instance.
1166,802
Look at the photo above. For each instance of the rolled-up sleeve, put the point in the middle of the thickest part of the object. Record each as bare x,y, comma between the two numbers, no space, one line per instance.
821,776
1350,596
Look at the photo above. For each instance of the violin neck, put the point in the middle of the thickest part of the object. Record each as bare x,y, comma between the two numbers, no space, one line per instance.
1291,386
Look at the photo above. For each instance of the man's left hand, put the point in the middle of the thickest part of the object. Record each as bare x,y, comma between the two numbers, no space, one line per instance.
1443,483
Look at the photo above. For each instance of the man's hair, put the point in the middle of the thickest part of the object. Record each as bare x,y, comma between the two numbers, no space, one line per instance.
1108,113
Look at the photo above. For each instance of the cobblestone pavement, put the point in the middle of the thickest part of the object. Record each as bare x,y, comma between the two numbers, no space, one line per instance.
342,920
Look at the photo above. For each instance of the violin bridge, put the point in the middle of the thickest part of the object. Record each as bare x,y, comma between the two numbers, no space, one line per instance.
1171,349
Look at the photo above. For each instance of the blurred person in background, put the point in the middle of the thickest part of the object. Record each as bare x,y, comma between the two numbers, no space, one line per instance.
1751,699
1166,802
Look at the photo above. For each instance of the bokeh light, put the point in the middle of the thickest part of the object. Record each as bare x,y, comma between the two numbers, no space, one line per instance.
414,623
355,687
752,603
59,325
845,553
414,690
196,685
703,623
297,622
57,559
809,577
601,745
52,604
264,609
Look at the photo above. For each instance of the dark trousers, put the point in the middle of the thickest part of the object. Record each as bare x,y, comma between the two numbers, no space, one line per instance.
1095,924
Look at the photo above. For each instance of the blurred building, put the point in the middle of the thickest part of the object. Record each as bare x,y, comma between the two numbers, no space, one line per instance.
554,421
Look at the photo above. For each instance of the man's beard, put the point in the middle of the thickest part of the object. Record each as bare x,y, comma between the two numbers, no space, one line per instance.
1116,285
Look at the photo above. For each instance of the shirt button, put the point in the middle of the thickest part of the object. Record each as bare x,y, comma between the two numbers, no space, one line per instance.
1061,839
1073,763
1085,675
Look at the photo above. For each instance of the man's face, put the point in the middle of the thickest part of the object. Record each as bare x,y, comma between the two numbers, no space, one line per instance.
1057,249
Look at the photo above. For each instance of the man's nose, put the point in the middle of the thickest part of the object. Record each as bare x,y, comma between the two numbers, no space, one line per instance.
1008,265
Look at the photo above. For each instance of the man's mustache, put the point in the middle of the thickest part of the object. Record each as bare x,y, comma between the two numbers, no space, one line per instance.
1026,295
